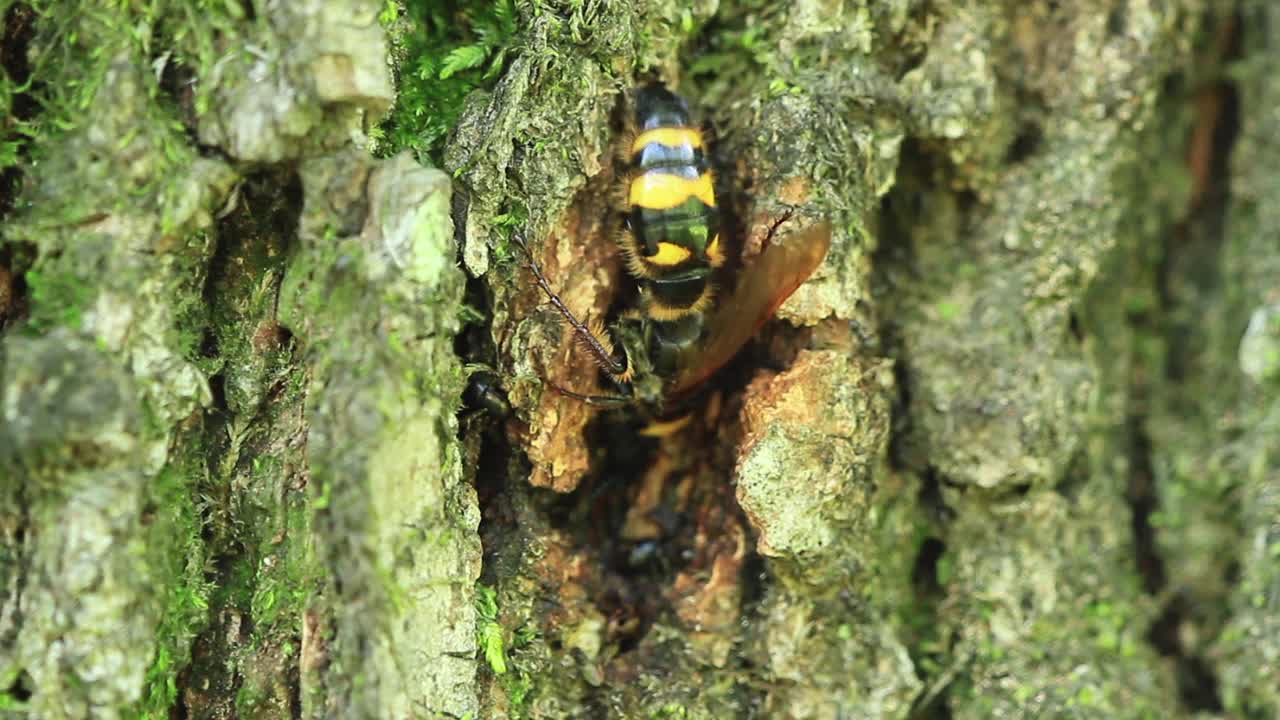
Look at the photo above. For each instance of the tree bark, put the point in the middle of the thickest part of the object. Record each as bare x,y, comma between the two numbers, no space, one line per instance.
1011,451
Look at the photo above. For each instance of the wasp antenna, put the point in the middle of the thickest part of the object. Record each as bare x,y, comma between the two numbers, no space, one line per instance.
597,331
601,352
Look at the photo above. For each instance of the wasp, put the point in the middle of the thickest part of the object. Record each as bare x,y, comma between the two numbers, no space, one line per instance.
683,326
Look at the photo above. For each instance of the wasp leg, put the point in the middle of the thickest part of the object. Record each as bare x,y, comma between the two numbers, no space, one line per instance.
601,351
773,229
666,428
596,400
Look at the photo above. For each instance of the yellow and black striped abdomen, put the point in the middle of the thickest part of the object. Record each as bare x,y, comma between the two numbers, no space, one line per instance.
672,233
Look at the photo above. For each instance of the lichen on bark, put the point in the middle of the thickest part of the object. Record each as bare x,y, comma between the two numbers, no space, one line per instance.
161,543
394,525
119,220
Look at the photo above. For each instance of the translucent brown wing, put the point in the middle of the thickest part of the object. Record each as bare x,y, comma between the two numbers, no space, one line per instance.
762,287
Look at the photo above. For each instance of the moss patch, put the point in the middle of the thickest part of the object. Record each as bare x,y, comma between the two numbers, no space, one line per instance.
442,52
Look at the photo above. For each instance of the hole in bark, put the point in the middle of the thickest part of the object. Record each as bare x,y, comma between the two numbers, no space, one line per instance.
490,482
1199,685
1025,144
179,710
1191,270
924,574
894,264
911,61
218,389
632,571
654,517
284,336
15,38
938,707
755,582
1142,503
899,439
178,84
1074,327
474,345
1163,634
1016,491
1118,20
930,497
935,702
252,241
15,303
1075,477
967,201
22,687
1197,681
208,344
294,682
1231,573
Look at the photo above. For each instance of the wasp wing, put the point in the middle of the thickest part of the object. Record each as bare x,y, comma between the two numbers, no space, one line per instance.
762,288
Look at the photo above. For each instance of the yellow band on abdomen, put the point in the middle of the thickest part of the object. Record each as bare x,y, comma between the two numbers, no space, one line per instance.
669,136
669,254
661,191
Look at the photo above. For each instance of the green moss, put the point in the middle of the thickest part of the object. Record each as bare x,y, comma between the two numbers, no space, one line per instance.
72,56
741,55
58,300
179,563
303,289
493,641
443,53
672,711
489,631
12,135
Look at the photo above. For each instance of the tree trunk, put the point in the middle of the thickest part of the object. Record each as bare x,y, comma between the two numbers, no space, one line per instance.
1011,451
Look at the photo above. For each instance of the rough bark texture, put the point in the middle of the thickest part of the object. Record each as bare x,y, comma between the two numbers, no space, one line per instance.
1011,452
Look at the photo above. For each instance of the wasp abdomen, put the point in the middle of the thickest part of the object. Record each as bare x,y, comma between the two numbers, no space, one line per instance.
672,236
